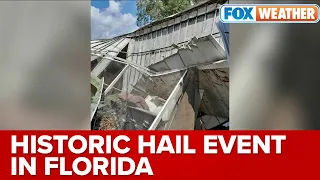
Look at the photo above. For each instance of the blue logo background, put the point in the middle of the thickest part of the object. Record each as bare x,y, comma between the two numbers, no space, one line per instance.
238,13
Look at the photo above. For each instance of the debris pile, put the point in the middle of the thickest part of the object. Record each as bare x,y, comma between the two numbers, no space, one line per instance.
107,123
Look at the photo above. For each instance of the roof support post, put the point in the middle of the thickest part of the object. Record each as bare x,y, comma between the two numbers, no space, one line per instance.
177,91
116,80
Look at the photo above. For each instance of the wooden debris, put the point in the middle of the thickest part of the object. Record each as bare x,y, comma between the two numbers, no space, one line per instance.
107,123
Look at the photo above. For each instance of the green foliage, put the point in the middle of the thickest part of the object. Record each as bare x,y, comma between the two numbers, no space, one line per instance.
151,10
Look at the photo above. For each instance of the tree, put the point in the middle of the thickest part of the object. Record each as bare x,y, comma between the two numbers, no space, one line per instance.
151,10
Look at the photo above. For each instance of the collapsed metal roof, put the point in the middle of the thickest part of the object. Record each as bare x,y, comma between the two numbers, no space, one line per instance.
184,55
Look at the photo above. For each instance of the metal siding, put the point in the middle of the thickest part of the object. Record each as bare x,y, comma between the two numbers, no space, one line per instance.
175,33
152,57
170,36
199,26
158,39
202,10
161,67
150,43
175,62
190,28
162,54
157,59
133,71
147,60
175,50
197,54
205,50
164,38
183,30
208,23
115,48
168,52
154,36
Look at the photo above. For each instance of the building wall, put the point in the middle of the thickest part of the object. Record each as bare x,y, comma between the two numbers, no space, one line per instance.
154,42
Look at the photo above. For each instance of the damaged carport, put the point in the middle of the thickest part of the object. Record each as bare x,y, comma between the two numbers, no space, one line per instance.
199,87
208,90
166,75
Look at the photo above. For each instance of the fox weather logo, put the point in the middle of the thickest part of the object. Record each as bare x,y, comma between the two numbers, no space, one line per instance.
238,14
269,13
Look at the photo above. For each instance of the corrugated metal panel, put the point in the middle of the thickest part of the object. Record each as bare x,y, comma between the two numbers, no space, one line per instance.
224,31
200,51
114,51
216,65
179,29
103,44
